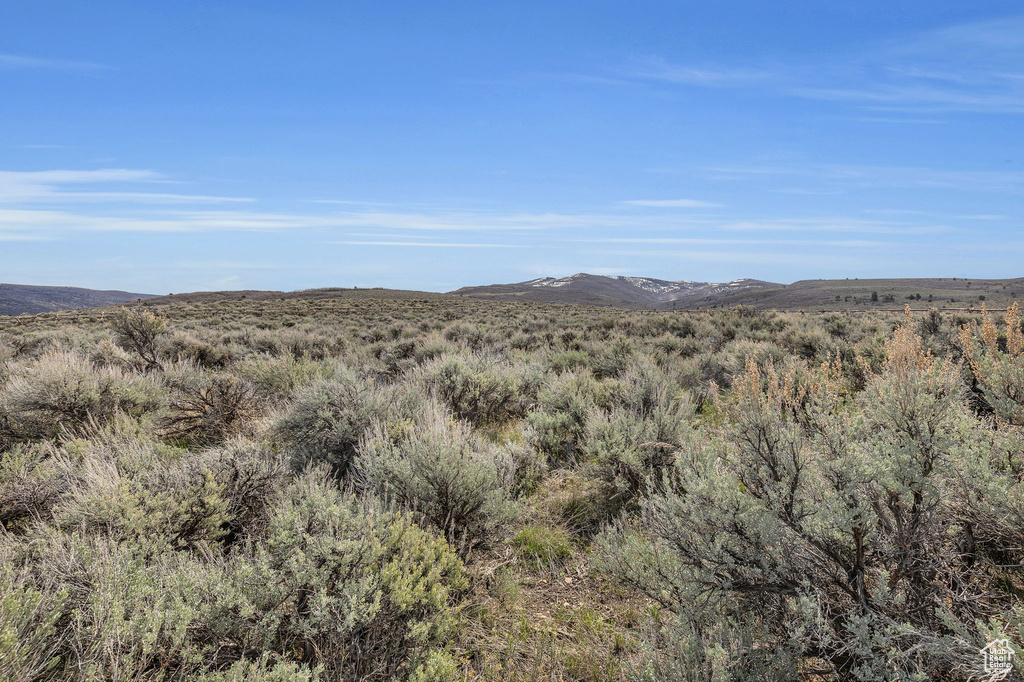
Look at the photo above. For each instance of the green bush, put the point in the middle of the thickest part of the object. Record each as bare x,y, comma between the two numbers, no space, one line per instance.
459,482
187,348
279,377
558,422
329,416
29,645
361,592
261,670
131,489
32,481
630,453
615,360
480,389
821,532
332,589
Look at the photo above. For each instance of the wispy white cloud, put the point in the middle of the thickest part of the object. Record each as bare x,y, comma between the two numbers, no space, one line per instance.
446,245
972,67
60,177
47,187
22,186
146,198
546,268
984,96
840,175
839,224
19,61
70,204
23,237
672,203
705,241
660,70
734,257
208,265
1004,35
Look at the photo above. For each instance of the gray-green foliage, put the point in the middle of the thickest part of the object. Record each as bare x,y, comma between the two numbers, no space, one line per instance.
564,404
63,391
482,389
771,518
458,481
29,638
32,481
360,591
347,590
147,493
329,416
824,527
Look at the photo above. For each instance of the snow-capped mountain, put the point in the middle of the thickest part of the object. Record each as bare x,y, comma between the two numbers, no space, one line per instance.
619,290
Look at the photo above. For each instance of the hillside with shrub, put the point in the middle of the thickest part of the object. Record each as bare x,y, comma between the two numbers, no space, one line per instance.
18,299
432,488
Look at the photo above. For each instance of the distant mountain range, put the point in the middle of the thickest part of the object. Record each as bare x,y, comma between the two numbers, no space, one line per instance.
811,294
16,299
621,291
645,293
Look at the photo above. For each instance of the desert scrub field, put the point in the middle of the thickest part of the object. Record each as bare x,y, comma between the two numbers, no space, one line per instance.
446,489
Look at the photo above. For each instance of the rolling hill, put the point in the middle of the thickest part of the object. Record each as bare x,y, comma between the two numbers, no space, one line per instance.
16,299
643,293
817,294
621,291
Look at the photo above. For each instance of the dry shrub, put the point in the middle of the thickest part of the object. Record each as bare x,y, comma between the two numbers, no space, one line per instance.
209,408
129,488
32,481
136,330
997,365
65,392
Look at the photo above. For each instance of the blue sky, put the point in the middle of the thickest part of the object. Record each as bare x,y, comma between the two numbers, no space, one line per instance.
170,147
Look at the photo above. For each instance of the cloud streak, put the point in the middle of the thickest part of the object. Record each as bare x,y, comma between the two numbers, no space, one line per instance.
974,67
48,187
657,69
17,61
672,203
909,177
445,245
62,202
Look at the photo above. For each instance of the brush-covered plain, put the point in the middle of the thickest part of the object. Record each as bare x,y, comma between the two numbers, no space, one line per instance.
437,489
